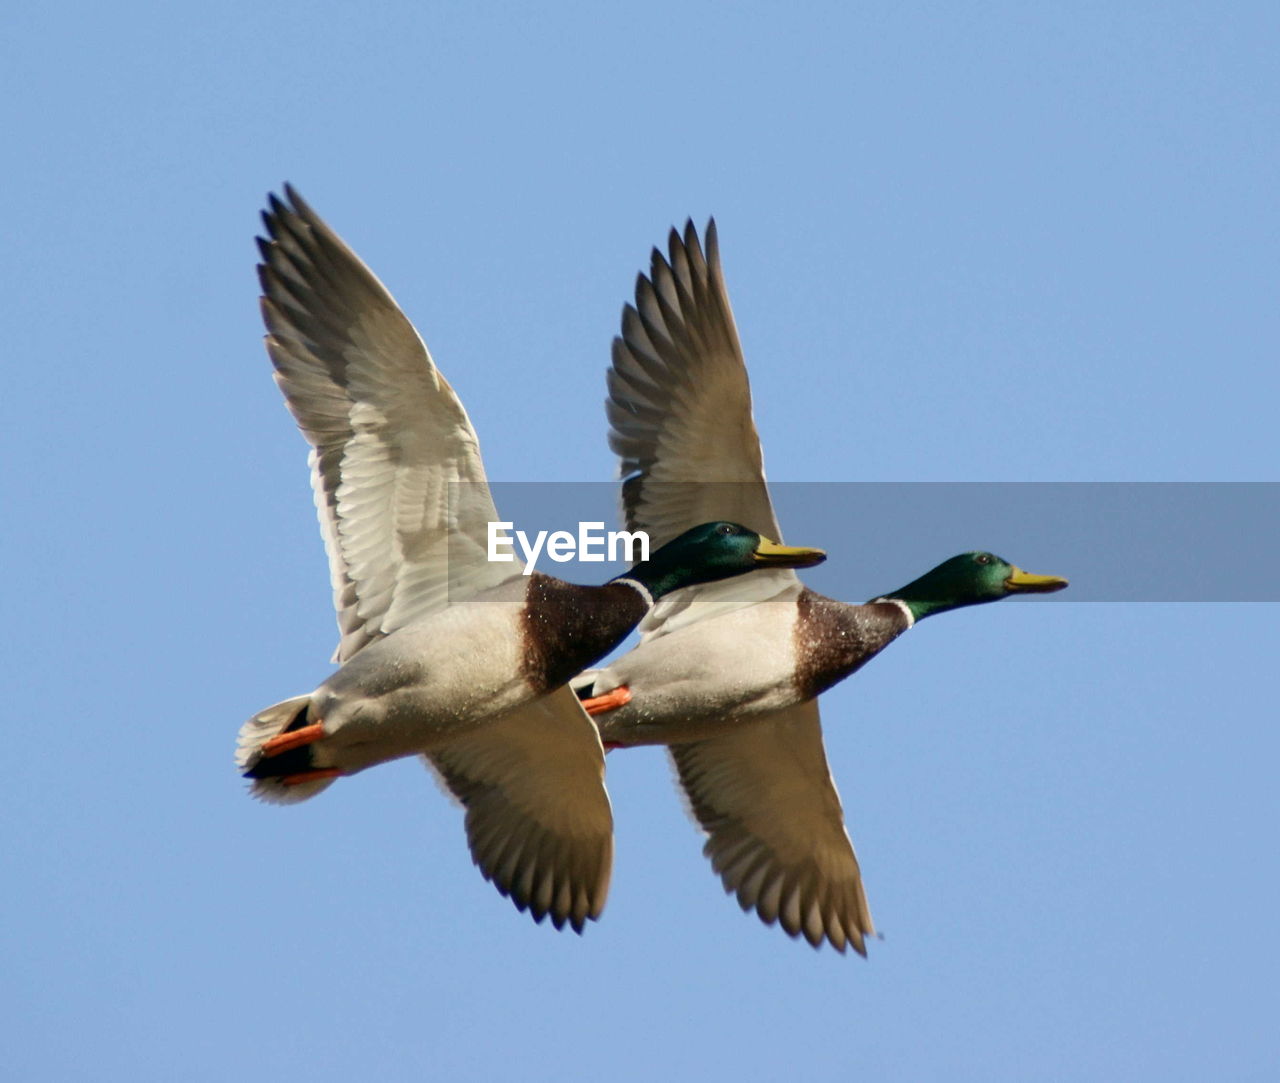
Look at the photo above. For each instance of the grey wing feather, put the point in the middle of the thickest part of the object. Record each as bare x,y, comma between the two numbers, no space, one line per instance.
398,479
680,417
764,794
538,818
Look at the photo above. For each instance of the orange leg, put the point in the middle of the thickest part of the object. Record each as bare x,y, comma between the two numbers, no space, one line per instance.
296,739
310,776
610,701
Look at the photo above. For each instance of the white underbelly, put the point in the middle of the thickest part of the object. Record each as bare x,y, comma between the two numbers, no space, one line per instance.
695,680
422,685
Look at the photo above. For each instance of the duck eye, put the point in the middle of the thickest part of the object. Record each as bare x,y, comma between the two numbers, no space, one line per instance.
983,558
726,528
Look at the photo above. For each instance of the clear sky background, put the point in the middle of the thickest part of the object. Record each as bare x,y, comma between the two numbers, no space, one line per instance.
964,242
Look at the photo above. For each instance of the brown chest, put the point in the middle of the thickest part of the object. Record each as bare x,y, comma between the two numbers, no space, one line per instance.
567,627
833,639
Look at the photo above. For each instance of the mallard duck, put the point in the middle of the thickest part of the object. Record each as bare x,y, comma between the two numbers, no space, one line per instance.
444,652
727,676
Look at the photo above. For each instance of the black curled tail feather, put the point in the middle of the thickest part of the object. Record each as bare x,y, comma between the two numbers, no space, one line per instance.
268,772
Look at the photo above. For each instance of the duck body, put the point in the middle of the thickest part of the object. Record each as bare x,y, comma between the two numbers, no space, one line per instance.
422,686
784,652
727,675
430,630
443,651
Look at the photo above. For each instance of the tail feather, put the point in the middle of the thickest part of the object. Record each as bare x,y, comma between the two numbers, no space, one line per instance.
583,684
266,773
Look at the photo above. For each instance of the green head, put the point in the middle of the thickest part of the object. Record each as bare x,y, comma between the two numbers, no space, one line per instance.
970,579
715,551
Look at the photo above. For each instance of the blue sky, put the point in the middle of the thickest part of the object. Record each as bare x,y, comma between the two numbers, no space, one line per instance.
964,243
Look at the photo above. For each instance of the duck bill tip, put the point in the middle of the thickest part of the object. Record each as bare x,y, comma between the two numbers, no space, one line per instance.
770,554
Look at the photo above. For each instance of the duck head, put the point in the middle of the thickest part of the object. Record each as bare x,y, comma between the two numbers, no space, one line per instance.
970,579
716,551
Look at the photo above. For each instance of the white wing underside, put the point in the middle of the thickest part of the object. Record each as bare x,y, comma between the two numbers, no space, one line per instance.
538,819
399,484
679,408
764,794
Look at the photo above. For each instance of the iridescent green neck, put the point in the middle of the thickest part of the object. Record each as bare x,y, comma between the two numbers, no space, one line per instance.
920,607
957,582
660,578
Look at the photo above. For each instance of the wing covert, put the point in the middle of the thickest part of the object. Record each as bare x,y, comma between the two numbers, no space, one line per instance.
538,817
764,794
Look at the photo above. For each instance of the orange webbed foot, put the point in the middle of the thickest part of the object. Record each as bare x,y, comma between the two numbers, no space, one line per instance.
610,701
283,742
310,776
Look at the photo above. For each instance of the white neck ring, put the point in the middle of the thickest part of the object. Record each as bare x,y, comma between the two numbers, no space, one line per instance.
906,609
640,588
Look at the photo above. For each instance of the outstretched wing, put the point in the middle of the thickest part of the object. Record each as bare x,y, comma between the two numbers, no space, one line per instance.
679,409
764,794
538,818
399,483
